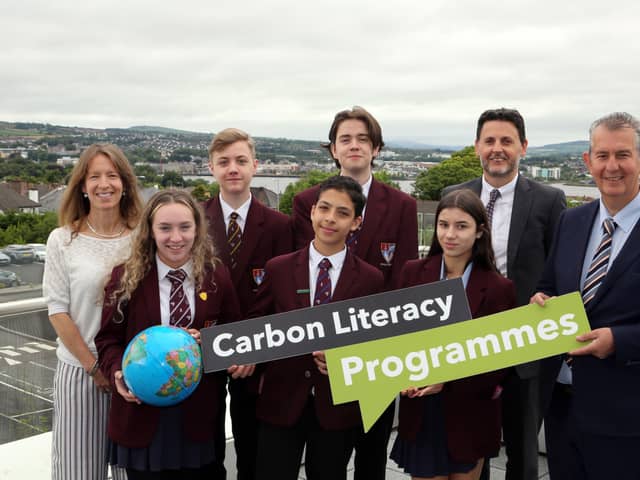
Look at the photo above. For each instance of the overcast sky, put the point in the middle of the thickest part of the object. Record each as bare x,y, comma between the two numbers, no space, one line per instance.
425,68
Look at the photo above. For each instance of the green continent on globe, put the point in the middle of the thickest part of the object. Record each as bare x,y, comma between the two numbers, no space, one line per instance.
184,373
137,351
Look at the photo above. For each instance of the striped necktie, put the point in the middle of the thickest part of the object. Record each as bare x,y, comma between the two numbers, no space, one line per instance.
352,239
493,196
323,283
600,263
179,309
234,238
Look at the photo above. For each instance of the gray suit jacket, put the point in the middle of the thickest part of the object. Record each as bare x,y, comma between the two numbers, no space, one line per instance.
535,213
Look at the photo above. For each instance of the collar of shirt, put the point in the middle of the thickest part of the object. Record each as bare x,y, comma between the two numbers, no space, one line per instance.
365,191
337,261
242,212
501,221
625,218
506,191
164,287
465,275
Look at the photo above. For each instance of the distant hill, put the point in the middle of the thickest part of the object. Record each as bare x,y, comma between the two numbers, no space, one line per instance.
165,130
576,147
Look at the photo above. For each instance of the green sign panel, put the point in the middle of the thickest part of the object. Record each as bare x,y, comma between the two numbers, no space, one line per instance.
374,372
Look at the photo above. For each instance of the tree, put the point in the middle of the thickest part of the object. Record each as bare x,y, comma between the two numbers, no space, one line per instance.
204,191
172,179
146,174
462,166
309,180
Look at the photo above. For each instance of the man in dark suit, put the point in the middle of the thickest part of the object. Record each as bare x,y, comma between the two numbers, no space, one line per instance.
595,251
524,215
294,405
387,239
246,234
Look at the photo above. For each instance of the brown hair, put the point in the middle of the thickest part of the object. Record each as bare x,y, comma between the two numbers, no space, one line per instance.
226,137
467,201
74,207
356,113
143,248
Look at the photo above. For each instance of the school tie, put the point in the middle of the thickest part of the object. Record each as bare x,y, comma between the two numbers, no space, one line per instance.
600,263
493,196
323,283
179,309
352,239
234,238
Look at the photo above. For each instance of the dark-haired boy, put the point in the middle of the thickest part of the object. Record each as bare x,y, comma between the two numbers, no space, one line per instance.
387,238
245,234
294,404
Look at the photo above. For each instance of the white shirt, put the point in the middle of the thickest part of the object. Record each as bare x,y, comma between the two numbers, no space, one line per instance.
501,221
365,191
242,212
315,257
75,274
164,285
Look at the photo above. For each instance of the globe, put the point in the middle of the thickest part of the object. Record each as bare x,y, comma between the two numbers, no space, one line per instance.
162,365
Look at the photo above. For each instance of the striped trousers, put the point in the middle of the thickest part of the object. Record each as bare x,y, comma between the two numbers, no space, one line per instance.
79,441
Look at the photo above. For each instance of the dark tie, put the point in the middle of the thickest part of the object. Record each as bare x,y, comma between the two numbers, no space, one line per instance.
323,283
179,309
600,263
493,196
234,238
352,239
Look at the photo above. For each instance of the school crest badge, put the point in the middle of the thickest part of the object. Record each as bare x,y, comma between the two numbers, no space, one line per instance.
387,250
258,275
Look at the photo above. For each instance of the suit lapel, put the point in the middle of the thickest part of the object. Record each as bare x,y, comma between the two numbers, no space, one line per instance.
376,210
253,230
625,258
214,212
347,280
522,201
476,289
301,279
475,186
151,294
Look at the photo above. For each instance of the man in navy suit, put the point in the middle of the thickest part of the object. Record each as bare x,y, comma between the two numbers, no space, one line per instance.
524,215
295,405
257,234
387,238
603,421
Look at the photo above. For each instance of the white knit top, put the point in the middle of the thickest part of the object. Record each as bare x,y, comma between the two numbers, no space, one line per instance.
75,274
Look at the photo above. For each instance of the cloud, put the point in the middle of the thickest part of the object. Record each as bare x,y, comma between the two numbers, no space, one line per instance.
283,68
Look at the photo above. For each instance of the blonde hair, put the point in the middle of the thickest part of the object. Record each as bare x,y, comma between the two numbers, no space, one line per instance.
229,136
74,207
143,249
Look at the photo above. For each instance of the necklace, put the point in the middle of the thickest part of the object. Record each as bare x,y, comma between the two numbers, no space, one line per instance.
102,235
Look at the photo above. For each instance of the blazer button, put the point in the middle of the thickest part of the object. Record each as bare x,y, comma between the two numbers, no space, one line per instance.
307,374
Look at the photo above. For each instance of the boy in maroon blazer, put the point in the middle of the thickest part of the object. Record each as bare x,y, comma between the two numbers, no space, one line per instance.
388,237
294,403
246,234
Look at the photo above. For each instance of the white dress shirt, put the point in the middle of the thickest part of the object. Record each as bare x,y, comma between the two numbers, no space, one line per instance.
501,221
337,260
242,212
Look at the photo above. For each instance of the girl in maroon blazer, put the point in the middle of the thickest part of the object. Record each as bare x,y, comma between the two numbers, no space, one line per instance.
446,430
177,441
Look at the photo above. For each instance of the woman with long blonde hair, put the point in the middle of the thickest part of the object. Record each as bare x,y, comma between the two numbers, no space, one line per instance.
100,208
171,278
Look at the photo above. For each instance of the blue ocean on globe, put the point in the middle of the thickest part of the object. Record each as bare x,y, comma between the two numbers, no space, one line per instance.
162,365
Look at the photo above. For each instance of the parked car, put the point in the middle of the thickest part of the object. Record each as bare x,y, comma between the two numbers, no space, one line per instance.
4,259
20,253
40,249
8,279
